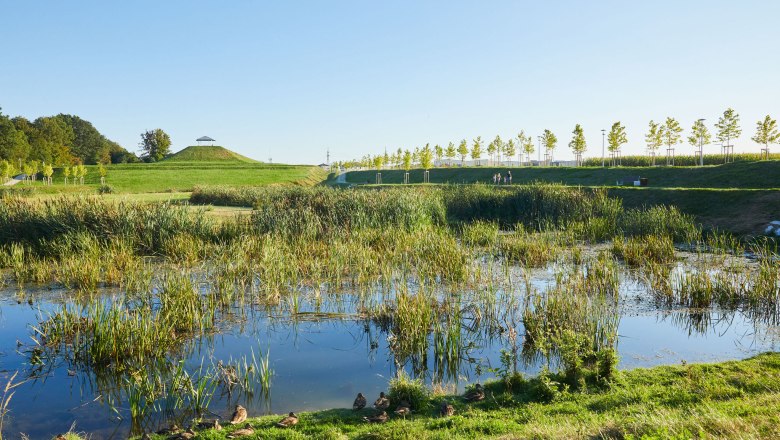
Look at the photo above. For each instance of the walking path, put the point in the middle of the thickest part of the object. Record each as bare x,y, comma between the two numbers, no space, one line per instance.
11,182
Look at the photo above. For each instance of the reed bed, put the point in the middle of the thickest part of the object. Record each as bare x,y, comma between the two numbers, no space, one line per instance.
649,249
435,269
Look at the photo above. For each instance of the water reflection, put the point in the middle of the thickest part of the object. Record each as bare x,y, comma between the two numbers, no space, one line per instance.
325,345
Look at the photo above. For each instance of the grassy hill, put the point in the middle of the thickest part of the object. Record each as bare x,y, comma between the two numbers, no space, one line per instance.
207,153
743,175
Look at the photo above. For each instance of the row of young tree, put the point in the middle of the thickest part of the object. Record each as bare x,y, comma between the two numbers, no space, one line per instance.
668,133
57,140
74,174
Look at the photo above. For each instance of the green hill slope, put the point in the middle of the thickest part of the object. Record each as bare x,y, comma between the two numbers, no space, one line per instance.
207,153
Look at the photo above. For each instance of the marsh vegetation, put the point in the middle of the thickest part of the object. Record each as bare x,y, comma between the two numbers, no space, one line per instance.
164,314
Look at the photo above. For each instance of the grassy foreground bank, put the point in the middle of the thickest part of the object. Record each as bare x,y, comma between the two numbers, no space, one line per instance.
736,399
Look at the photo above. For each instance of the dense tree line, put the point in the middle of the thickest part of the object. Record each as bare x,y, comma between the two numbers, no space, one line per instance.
58,140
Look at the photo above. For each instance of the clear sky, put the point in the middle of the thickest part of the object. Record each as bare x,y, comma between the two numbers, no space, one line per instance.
289,79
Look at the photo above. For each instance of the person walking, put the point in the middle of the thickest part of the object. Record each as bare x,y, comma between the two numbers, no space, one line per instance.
509,176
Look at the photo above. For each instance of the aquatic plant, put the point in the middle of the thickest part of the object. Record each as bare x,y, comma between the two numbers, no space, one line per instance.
644,250
479,233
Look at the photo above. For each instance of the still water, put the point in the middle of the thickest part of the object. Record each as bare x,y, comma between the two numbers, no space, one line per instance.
326,353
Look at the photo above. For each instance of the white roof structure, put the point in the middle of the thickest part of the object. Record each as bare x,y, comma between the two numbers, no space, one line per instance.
204,139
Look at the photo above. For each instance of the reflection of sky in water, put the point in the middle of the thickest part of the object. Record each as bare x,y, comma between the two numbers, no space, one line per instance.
323,363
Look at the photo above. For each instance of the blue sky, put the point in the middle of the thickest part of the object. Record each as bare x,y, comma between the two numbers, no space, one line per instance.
289,79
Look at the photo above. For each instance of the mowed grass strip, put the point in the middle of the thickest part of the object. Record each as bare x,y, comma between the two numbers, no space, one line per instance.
736,399
744,175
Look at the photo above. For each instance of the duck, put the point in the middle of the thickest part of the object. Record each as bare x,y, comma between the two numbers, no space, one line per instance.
446,409
360,402
379,418
382,403
288,421
246,430
173,429
403,410
475,395
239,415
210,424
186,435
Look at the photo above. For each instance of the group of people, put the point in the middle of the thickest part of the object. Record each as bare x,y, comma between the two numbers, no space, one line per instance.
506,179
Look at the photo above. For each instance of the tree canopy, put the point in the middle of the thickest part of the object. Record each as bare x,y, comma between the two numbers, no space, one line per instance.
577,143
766,132
616,137
728,127
57,140
549,140
155,144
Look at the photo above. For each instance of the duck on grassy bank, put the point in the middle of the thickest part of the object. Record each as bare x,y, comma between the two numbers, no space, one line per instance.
290,420
475,395
239,415
382,403
379,418
246,430
359,403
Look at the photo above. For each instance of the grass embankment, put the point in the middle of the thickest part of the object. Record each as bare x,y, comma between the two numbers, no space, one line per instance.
182,177
737,399
740,197
744,175
739,211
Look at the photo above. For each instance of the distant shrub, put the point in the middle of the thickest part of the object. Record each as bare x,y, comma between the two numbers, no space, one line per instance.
105,189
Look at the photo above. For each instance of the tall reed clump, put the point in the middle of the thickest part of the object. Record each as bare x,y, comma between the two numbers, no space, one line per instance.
665,221
323,212
754,289
536,206
644,250
479,233
576,323
246,196
108,332
146,226
530,249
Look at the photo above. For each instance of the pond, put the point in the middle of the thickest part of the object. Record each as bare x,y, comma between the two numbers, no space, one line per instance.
324,347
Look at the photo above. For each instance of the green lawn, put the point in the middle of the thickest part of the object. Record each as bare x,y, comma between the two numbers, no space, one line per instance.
760,174
183,176
738,399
